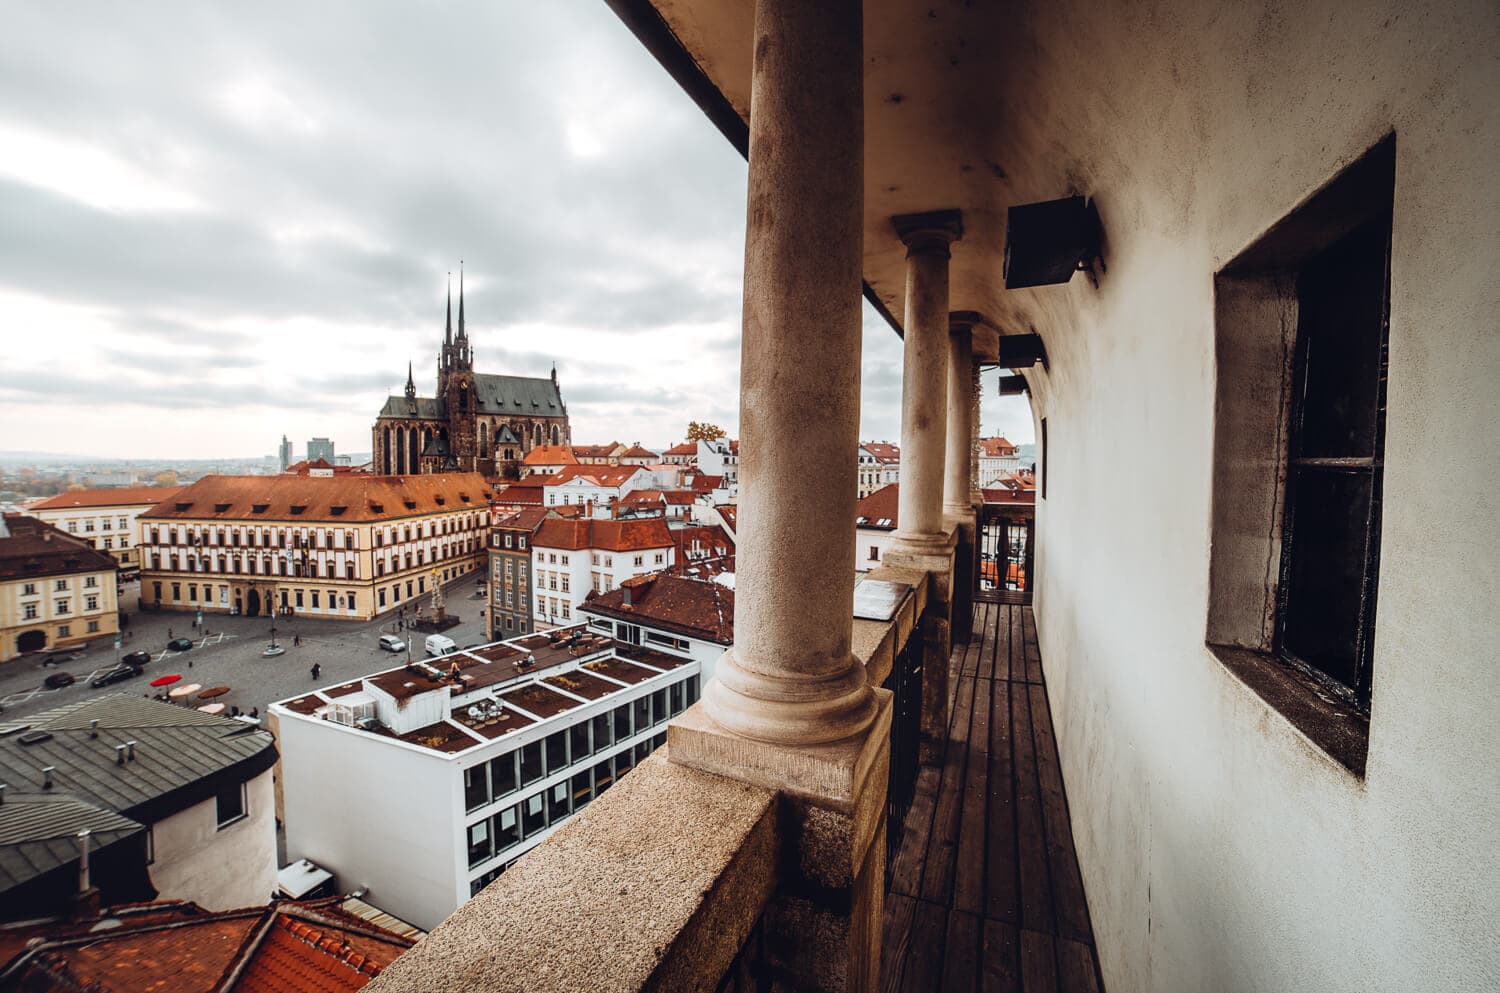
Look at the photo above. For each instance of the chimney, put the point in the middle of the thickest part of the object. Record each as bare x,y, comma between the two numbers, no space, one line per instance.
2,794
86,900
83,861
94,728
130,751
119,755
47,771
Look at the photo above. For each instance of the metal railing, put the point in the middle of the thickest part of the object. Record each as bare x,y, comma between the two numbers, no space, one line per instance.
1007,553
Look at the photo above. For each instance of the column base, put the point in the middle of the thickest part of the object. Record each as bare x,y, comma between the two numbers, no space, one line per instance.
789,711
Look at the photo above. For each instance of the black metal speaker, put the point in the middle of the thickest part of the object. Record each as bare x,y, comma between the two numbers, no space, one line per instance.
1045,243
1013,386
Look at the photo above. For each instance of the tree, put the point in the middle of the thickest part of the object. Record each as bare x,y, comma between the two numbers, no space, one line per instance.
168,478
704,431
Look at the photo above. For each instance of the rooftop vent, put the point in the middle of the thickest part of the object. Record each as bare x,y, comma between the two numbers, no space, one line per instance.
47,771
35,737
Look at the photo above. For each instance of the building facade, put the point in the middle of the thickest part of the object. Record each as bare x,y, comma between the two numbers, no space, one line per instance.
349,546
105,519
320,448
669,613
55,590
997,458
478,422
510,572
495,747
571,558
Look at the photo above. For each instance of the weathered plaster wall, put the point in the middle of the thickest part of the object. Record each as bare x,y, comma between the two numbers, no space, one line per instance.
1221,851
219,869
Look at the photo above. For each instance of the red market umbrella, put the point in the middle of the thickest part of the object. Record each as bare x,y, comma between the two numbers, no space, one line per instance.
212,692
165,680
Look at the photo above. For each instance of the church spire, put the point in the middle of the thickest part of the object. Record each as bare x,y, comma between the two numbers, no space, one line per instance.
411,386
448,331
461,334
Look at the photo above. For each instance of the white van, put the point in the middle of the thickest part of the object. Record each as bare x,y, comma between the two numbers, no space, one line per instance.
439,644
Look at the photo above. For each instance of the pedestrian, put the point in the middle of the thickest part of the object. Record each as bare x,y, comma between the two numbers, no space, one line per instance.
169,634
296,641
315,670
234,711
255,712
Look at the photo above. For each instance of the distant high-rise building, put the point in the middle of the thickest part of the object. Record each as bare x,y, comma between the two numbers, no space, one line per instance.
320,448
286,453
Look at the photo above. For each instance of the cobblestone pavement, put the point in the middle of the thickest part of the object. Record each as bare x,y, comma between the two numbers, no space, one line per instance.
227,653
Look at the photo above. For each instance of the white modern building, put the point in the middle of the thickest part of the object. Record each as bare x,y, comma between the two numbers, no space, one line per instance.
422,784
720,457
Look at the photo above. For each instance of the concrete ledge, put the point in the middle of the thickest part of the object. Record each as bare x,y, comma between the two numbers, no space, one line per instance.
876,643
936,560
830,775
655,886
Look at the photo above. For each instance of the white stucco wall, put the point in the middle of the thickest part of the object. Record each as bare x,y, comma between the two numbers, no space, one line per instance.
1220,849
378,814
218,869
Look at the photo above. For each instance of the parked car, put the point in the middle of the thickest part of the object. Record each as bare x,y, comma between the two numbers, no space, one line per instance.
118,674
137,658
180,644
58,680
391,643
58,658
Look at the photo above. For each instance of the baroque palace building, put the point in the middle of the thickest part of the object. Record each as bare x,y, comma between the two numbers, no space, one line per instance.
348,546
478,422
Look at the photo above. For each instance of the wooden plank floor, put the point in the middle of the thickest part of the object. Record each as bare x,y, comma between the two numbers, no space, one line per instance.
985,890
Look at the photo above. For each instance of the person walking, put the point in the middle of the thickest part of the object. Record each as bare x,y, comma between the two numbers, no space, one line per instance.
169,634
315,670
296,641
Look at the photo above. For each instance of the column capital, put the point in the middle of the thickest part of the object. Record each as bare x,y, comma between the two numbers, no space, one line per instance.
964,321
932,231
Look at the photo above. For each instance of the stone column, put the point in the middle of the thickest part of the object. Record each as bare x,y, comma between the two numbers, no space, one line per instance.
956,496
790,707
924,539
975,494
924,378
790,677
959,507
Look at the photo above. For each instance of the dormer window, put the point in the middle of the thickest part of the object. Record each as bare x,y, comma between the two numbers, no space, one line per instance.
337,511
298,508
259,508
441,501
377,508
184,506
220,508
411,505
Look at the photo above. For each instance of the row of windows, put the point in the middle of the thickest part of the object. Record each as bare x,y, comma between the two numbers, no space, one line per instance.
103,524
444,551
66,630
60,585
417,586
235,566
511,825
518,769
31,611
347,600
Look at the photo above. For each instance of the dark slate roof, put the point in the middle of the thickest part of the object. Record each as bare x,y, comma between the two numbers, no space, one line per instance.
181,754
516,395
427,408
506,436
39,833
30,548
437,446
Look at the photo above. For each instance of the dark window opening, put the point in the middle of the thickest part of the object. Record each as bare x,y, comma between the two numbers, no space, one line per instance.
1335,460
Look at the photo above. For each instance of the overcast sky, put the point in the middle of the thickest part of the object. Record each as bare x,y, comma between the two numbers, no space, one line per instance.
224,222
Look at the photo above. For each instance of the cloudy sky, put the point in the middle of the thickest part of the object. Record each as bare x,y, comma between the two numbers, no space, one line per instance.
224,222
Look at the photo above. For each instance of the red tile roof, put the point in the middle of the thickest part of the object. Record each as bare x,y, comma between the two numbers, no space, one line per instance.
305,468
550,455
637,452
35,548
703,549
878,510
883,451
598,475
996,447
703,484
596,451
1000,495
690,607
612,536
134,496
286,947
686,448
336,499
522,495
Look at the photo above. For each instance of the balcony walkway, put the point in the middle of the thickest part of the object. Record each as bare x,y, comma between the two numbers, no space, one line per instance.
985,891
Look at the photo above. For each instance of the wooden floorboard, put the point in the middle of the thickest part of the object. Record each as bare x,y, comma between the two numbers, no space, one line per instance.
985,892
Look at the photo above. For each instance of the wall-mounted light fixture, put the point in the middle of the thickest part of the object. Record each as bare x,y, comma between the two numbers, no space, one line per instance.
1045,243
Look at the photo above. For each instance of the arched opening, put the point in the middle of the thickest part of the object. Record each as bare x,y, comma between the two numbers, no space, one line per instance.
555,435
252,603
400,451
411,453
536,434
385,453
31,641
484,438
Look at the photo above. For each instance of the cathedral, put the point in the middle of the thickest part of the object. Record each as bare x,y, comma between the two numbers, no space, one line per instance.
478,422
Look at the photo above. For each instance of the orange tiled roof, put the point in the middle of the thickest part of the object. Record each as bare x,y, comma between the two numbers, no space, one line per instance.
884,452
686,448
550,455
346,498
35,548
610,536
1002,495
287,947
132,496
520,495
688,607
878,510
996,447
596,451
599,475
637,452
